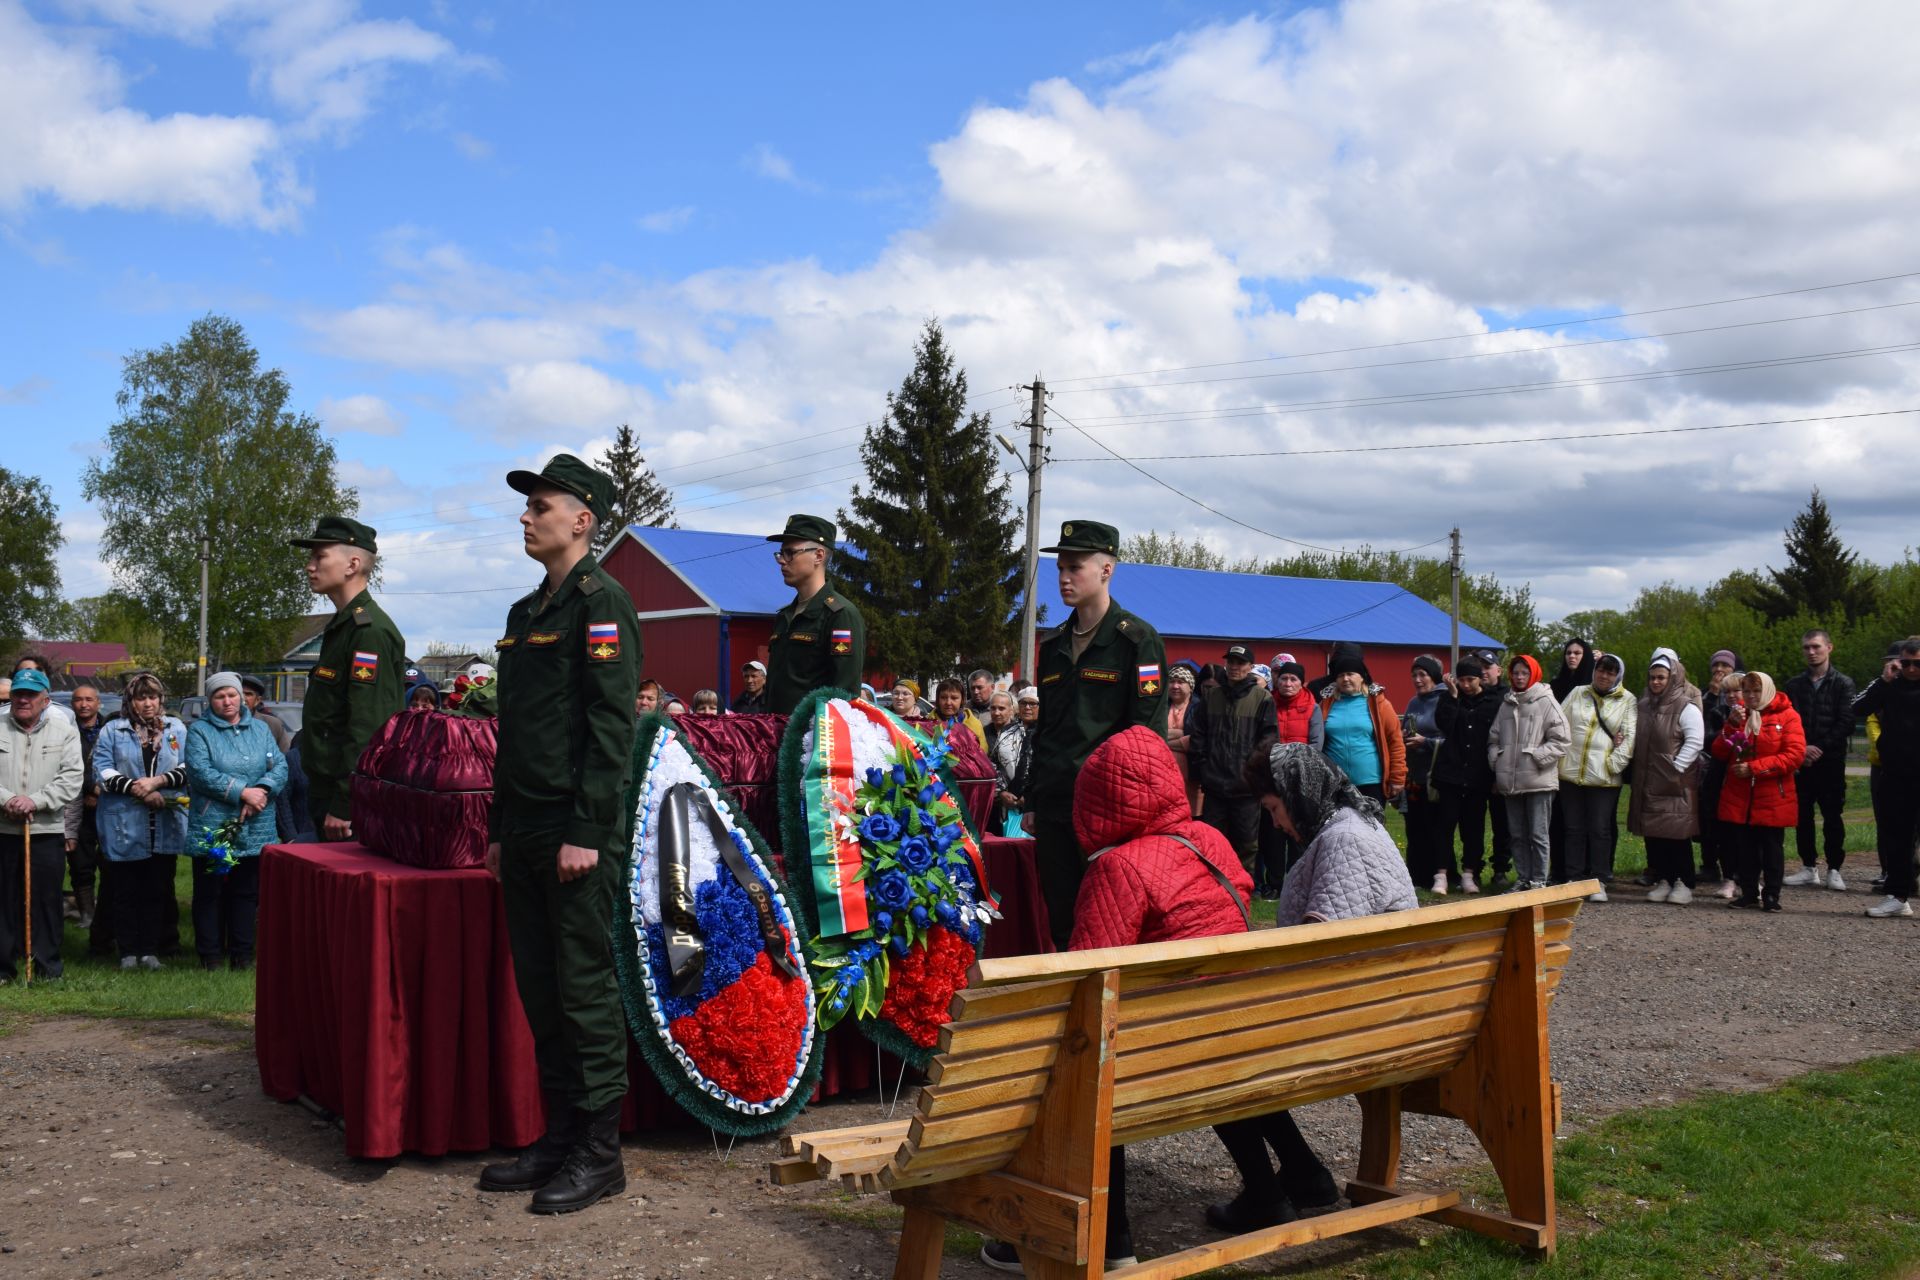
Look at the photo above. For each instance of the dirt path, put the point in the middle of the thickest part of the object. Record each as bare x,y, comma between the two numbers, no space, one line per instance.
136,1151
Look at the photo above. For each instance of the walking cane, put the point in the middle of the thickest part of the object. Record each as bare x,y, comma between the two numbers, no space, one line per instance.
26,848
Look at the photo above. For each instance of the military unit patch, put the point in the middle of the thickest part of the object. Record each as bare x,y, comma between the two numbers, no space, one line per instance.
1149,679
543,637
366,665
843,642
325,673
603,641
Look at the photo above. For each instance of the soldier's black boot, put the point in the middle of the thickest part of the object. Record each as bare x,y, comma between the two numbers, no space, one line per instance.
592,1170
536,1165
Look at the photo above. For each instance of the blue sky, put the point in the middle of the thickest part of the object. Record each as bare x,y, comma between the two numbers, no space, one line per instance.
474,235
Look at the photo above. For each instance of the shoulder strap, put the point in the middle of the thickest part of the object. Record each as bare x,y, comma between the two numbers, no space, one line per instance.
1245,917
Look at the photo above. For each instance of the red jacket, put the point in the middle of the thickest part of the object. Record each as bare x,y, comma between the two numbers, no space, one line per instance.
1768,798
1141,885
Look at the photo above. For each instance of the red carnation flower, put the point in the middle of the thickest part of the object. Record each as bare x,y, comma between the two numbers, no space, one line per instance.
747,1038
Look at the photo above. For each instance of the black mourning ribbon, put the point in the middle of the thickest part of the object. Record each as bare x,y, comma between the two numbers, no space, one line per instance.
693,797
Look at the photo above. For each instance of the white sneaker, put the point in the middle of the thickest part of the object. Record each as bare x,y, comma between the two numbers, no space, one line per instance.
1835,883
1440,883
1803,877
1890,907
1598,895
151,962
1681,895
1729,891
1467,884
129,962
1660,892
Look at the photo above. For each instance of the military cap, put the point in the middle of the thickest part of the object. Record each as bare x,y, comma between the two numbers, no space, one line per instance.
1087,535
802,528
571,476
331,531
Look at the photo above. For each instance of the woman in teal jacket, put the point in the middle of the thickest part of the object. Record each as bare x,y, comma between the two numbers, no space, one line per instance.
234,770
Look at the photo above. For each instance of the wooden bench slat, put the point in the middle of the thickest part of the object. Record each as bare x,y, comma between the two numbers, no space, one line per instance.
1255,1243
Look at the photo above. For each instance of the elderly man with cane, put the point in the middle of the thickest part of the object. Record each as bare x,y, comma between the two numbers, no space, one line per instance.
40,775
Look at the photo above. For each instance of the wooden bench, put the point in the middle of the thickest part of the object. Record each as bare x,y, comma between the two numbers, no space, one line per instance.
1049,1060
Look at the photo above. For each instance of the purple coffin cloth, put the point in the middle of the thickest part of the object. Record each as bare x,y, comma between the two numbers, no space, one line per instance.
423,790
745,751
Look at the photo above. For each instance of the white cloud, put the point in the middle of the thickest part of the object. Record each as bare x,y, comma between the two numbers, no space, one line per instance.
663,220
473,148
70,136
1353,183
368,415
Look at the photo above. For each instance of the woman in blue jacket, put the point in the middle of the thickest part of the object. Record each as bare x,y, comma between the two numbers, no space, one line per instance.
234,770
140,766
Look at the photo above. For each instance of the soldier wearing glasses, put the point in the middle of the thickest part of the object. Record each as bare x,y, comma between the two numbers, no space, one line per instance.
820,640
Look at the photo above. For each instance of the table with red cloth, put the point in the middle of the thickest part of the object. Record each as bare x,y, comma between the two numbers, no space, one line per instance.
385,993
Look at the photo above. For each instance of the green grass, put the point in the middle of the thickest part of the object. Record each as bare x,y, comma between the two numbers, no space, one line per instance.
100,988
1818,1178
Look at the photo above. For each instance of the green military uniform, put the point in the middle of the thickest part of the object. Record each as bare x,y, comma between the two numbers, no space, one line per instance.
569,668
817,643
357,685
1119,680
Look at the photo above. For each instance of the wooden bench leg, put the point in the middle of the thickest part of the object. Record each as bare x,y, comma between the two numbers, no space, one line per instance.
921,1242
1379,1136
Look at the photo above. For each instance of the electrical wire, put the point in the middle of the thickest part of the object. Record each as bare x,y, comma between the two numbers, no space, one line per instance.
1474,444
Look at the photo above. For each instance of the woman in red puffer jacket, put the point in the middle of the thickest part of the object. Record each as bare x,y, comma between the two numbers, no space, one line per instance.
1758,802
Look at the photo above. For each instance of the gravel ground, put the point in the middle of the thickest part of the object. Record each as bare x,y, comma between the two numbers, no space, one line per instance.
134,1151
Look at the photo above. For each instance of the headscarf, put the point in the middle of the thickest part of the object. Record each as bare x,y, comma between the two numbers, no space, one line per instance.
1313,788
139,685
1678,689
1767,693
1567,679
1533,667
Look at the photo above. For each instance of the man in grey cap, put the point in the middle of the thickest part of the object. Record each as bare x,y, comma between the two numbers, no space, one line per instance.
355,686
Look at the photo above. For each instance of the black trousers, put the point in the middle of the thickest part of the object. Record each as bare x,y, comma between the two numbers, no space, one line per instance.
1278,852
83,862
1897,810
142,904
1432,812
1822,785
1716,863
1670,860
1477,810
49,854
1592,824
1247,1141
224,908
1239,819
1761,853
1061,865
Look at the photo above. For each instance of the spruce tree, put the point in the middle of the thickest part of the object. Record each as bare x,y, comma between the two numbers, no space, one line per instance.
1822,577
930,553
638,495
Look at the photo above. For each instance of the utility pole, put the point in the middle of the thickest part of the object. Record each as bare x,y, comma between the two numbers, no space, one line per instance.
1035,460
206,554
1454,561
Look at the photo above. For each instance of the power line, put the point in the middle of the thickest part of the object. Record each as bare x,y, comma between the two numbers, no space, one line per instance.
1474,444
1176,416
1523,328
1484,355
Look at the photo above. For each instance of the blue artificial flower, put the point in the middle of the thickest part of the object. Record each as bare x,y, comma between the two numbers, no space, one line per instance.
880,827
899,773
897,945
876,778
916,855
894,891
946,913
920,915
926,794
945,836
883,921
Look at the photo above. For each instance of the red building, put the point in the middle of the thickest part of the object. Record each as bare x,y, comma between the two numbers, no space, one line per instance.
706,603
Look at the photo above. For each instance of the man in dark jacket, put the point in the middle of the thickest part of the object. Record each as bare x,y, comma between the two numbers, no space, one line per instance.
1895,699
1824,699
1222,725
1465,713
752,698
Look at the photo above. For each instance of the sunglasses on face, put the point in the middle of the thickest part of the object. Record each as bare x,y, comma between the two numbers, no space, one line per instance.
1908,664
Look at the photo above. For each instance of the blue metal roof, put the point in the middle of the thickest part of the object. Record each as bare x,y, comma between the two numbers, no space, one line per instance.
736,572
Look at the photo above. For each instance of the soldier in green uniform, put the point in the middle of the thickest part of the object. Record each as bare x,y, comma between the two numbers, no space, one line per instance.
569,669
1100,671
820,640
357,684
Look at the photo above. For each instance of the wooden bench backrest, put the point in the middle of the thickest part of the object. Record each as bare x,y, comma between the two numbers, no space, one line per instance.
1214,1029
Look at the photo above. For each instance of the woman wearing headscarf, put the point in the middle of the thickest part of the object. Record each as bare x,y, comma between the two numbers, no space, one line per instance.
1430,812
1361,729
1602,721
1721,695
1180,683
1528,737
1351,868
234,770
140,764
1664,808
1577,659
1763,743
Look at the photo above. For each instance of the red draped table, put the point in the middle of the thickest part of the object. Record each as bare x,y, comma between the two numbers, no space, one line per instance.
385,993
